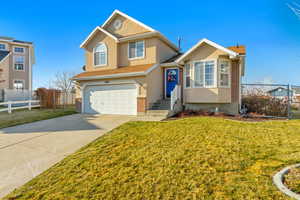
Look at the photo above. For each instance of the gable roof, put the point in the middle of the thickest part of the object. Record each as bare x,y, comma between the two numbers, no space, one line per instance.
230,52
117,12
98,28
137,70
3,55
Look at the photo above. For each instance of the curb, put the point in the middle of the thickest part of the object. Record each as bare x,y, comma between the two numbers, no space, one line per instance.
278,178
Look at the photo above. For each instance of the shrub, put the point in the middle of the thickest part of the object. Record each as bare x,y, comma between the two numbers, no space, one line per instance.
265,105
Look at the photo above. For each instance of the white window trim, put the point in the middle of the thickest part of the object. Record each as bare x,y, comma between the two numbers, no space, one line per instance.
191,75
14,62
5,47
22,80
106,58
135,58
19,53
219,72
215,85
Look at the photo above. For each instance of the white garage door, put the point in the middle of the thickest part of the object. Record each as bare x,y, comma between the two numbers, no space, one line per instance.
111,99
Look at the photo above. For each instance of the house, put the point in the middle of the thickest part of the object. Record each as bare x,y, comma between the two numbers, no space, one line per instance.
130,68
281,93
16,60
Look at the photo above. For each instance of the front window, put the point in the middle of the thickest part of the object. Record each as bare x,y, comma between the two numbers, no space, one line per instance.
19,84
100,55
2,47
19,50
19,62
204,74
224,73
187,75
136,49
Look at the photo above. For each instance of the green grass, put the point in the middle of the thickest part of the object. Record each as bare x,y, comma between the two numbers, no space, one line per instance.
18,117
192,158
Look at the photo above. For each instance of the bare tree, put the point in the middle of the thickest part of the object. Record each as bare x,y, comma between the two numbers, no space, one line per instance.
63,81
295,7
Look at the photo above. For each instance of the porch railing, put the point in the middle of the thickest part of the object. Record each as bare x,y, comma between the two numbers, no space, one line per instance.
175,96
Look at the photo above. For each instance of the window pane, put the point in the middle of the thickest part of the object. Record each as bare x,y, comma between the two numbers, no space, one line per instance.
102,58
96,58
19,59
132,50
224,73
100,48
198,76
2,46
187,75
140,49
209,73
19,50
19,67
18,84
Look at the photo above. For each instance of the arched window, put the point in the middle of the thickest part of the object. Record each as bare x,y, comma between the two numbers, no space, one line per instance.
100,55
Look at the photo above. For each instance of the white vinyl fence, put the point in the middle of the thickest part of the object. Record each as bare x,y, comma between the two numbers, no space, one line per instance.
16,95
9,106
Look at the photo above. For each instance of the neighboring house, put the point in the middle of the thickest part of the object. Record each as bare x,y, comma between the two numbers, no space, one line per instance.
16,60
130,68
281,93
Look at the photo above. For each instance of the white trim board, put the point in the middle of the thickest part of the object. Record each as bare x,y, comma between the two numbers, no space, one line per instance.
128,17
98,28
231,53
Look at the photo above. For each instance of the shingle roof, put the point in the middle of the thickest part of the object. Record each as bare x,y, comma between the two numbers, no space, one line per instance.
120,70
240,49
172,59
3,54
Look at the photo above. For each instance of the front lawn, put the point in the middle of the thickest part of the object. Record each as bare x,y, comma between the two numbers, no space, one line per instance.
18,117
192,158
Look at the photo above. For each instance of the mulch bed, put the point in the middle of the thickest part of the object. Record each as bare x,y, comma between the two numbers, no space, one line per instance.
251,117
292,180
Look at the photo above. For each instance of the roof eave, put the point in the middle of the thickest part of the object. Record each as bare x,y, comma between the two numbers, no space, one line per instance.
232,54
98,28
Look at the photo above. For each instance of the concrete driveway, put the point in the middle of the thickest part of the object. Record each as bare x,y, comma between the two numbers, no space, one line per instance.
29,149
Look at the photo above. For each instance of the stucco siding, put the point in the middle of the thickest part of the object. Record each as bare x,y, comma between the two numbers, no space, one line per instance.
164,52
205,52
154,82
128,27
111,52
150,53
207,95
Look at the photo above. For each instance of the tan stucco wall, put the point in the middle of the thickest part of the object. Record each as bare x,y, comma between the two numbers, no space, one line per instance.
205,52
128,27
226,99
164,52
154,82
111,52
207,95
150,53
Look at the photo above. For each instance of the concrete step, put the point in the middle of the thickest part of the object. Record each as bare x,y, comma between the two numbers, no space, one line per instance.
156,113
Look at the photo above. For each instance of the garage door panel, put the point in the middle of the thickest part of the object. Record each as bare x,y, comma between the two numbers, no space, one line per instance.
112,99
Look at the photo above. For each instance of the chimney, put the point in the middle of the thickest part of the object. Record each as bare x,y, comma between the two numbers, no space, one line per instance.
179,42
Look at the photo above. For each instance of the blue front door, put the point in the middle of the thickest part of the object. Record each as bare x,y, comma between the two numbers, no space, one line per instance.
171,80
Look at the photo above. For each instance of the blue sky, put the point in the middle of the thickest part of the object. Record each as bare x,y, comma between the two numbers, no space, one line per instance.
268,28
